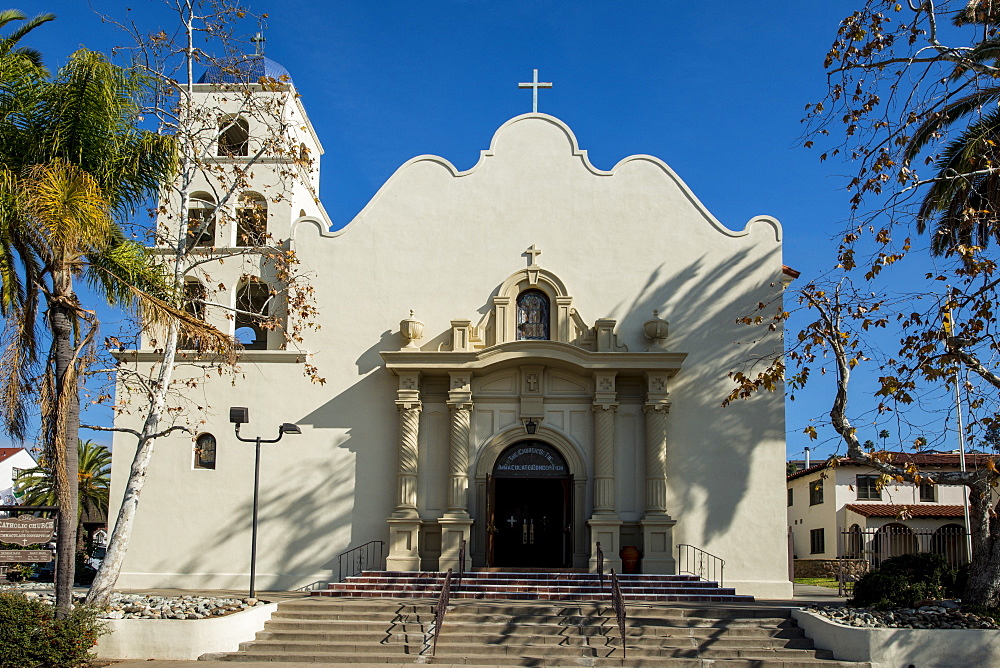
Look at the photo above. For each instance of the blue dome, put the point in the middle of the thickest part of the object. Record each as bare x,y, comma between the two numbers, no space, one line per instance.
248,70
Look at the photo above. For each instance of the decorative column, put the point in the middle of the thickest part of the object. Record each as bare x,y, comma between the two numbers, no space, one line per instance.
657,525
456,523
404,523
605,526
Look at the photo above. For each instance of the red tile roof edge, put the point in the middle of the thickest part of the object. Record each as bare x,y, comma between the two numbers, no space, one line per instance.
947,459
896,509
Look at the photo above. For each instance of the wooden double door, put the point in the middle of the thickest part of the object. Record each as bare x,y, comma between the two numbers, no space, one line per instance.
530,504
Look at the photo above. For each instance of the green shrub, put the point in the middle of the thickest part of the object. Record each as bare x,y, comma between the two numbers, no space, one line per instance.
900,582
30,635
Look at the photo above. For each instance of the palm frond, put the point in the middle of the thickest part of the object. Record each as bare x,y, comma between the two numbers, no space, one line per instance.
946,117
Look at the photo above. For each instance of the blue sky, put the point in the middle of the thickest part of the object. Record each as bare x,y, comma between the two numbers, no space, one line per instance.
716,90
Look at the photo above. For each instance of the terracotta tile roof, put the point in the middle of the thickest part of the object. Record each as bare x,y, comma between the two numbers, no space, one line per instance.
895,510
8,452
900,458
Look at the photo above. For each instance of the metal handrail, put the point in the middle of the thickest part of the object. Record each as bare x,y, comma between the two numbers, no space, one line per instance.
360,558
600,564
461,561
698,562
440,610
618,603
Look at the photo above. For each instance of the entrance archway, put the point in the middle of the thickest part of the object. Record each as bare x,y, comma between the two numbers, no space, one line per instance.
530,508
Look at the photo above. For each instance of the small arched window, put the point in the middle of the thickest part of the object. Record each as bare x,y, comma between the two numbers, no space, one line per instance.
532,316
201,220
204,452
251,220
252,314
234,137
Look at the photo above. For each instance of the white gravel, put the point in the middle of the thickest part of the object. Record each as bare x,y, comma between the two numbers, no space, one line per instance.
140,606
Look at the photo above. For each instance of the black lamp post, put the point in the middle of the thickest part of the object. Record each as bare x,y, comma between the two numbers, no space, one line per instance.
240,415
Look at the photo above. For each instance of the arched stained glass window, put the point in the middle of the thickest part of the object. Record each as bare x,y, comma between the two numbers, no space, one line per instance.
532,316
204,452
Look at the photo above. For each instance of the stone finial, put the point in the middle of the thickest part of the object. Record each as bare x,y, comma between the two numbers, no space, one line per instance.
412,330
656,331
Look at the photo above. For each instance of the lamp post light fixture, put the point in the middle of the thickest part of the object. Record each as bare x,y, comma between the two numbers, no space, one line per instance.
530,425
240,415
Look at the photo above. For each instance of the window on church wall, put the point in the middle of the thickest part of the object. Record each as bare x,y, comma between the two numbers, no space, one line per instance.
253,301
204,452
533,316
928,492
201,220
234,137
194,305
251,220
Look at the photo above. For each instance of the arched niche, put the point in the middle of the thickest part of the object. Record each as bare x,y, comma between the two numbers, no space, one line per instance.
486,459
541,280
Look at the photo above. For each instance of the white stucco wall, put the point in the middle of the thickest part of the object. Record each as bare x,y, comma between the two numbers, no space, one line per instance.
624,242
20,460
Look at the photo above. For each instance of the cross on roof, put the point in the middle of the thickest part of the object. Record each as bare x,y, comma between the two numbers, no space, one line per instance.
258,44
534,85
534,253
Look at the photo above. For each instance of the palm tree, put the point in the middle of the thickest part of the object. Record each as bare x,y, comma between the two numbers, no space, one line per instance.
72,166
36,486
962,206
8,44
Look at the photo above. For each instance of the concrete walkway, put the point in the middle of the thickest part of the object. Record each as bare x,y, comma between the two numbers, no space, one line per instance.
804,595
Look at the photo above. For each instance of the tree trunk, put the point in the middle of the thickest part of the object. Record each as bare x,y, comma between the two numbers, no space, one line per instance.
983,587
104,582
63,430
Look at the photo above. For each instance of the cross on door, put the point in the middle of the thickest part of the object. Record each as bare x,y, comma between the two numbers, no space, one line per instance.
512,521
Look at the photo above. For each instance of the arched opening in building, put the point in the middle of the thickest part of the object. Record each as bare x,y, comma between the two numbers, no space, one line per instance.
201,220
893,540
251,220
234,137
949,542
253,299
194,305
530,508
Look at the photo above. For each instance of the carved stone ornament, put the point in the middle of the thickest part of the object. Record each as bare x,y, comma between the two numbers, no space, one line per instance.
412,330
656,331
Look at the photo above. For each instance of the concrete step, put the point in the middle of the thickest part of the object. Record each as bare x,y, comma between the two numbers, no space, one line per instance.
599,628
352,631
373,660
499,654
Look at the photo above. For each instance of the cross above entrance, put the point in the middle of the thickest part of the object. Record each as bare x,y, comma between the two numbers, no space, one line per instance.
534,85
534,253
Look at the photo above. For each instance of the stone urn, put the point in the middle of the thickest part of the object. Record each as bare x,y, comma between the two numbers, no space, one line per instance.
412,330
656,331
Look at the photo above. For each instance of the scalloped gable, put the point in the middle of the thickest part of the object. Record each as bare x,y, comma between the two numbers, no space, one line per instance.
536,157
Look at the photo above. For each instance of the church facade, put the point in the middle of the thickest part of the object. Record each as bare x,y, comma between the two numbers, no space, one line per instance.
530,355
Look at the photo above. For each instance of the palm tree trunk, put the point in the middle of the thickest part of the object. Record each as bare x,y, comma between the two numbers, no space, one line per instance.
65,425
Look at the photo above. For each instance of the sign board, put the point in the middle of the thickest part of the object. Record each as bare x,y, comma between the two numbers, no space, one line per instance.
25,556
26,530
